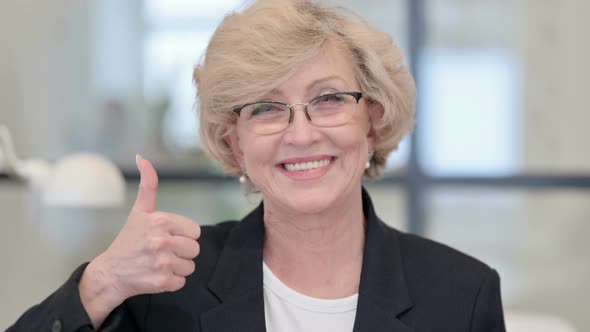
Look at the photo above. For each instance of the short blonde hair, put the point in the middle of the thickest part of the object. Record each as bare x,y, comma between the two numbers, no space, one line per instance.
255,51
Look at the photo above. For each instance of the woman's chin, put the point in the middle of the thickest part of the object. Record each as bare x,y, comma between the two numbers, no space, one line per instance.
314,203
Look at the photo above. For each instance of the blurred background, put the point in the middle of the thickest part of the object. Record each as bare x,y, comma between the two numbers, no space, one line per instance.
499,165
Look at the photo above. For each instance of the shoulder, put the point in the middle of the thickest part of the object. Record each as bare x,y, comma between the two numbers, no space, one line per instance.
449,287
432,265
428,253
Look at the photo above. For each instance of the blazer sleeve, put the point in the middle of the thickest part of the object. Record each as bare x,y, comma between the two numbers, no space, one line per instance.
488,315
63,311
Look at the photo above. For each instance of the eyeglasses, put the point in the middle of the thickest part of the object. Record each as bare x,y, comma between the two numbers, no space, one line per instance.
329,110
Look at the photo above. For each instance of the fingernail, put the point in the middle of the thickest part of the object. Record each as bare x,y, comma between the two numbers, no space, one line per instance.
138,157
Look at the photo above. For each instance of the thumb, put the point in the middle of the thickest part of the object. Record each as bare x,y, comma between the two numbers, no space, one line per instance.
148,186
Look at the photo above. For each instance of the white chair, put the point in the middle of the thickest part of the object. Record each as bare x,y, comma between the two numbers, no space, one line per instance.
536,322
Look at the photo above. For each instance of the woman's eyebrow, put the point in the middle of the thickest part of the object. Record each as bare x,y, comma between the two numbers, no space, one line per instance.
273,94
322,80
278,94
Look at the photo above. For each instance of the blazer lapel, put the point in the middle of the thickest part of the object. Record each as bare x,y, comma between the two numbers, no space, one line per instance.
383,293
237,280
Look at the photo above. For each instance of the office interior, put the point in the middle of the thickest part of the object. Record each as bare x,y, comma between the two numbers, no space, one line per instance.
498,166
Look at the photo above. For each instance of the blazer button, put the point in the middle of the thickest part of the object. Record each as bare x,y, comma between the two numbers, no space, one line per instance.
56,326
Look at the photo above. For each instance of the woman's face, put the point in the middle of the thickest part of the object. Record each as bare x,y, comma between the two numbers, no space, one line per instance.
304,168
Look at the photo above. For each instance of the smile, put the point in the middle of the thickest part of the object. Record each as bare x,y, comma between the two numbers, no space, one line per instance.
306,166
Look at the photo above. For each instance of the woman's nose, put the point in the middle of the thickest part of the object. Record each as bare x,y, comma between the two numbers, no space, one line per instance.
301,131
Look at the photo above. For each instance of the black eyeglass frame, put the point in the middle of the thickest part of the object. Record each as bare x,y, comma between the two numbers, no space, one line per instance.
357,96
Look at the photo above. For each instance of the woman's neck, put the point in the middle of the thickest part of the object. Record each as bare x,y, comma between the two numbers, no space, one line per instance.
317,254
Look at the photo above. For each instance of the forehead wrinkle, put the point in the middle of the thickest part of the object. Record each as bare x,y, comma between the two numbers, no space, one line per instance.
310,87
324,80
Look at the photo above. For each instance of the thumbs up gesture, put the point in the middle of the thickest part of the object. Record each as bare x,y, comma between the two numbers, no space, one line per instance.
153,253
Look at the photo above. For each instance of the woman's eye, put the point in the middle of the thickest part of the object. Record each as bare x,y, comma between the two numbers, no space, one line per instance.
329,99
263,108
266,110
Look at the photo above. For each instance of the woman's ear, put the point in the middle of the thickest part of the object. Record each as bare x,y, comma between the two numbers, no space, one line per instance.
375,111
233,141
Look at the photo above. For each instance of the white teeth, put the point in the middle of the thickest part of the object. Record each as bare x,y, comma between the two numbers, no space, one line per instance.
307,166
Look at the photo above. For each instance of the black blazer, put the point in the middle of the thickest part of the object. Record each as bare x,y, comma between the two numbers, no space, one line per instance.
407,284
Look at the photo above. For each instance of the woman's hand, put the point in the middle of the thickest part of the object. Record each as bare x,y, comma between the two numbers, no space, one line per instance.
153,253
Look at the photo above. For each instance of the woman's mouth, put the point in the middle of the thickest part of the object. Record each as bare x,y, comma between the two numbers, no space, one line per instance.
306,166
301,170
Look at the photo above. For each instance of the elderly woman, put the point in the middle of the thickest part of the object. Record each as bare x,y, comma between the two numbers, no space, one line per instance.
300,100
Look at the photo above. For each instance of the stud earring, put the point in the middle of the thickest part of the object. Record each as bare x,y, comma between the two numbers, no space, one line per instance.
368,163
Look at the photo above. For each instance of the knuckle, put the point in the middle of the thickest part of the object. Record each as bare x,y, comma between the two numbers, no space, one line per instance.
154,244
163,263
159,283
176,284
158,244
159,221
166,283
169,283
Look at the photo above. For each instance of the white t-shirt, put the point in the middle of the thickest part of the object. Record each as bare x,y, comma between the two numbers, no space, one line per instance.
286,310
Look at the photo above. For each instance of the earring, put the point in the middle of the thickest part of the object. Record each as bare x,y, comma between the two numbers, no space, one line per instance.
244,175
368,163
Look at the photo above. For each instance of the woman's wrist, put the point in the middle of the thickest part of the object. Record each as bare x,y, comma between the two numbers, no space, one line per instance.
98,292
